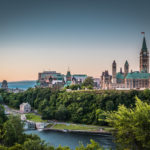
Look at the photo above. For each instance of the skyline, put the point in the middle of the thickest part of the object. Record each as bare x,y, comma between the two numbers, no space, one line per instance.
83,35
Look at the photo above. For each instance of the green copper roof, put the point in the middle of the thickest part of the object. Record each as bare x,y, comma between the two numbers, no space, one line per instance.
138,75
144,47
67,83
79,75
119,75
126,63
68,74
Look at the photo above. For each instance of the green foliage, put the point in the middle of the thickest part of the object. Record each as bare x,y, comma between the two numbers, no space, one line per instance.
74,87
132,126
76,127
35,145
3,147
33,117
101,117
92,146
1,99
62,113
3,117
88,83
12,131
16,147
74,106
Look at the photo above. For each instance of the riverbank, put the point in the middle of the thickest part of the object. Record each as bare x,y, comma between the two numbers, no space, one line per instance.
78,128
77,131
68,127
52,125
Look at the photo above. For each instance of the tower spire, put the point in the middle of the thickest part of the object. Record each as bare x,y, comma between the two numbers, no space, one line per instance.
114,70
126,68
144,57
144,46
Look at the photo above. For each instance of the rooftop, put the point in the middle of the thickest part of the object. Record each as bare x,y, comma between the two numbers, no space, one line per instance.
119,75
138,75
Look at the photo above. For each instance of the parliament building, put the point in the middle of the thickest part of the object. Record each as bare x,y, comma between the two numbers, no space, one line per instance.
129,80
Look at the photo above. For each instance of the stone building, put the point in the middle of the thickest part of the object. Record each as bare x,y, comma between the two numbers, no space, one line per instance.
105,80
25,108
50,79
130,80
137,80
4,85
74,79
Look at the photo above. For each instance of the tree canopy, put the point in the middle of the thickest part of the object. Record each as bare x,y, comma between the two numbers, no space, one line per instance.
88,83
132,126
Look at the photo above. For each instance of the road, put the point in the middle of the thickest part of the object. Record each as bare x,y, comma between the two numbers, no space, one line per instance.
10,111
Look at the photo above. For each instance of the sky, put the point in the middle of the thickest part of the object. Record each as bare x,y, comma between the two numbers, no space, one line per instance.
84,35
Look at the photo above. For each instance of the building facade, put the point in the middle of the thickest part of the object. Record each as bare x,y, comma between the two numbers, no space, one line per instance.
25,108
129,80
50,79
58,80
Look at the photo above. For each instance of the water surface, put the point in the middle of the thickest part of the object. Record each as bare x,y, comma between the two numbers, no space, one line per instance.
24,85
73,139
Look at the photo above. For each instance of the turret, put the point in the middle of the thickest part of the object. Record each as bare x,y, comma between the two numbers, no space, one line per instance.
121,70
68,76
114,70
126,68
144,57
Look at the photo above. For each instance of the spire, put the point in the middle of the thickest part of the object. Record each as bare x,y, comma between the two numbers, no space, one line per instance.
120,70
126,63
68,72
144,47
114,62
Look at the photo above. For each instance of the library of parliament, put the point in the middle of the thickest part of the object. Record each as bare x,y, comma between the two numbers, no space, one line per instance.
129,80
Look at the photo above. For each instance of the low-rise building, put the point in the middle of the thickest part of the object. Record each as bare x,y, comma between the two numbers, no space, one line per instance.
50,79
25,108
129,80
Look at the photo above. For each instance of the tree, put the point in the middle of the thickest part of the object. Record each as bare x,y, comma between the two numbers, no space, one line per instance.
1,99
132,126
62,113
74,87
17,147
101,117
92,146
109,105
3,147
35,145
48,113
13,131
3,117
88,83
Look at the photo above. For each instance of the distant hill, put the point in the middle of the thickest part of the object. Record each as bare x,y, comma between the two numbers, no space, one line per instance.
21,84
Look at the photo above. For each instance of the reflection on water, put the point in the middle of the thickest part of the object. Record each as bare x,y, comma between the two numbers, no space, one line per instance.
73,139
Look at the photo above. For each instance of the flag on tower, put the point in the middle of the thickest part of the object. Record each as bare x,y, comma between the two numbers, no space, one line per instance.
143,33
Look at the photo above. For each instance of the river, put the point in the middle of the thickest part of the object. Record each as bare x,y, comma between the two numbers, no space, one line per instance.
72,139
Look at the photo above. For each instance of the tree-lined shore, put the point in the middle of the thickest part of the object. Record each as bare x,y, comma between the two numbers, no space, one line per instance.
128,112
85,107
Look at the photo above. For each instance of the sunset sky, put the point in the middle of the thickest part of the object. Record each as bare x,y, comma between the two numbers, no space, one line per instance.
84,35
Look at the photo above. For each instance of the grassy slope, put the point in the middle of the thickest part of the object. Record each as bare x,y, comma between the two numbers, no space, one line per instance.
33,117
76,127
